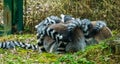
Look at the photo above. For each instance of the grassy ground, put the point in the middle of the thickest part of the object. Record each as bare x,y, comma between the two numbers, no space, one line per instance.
95,54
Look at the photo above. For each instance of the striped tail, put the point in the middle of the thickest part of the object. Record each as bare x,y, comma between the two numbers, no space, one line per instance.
13,44
49,32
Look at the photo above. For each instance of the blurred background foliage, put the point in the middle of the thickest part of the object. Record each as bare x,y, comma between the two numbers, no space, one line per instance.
37,10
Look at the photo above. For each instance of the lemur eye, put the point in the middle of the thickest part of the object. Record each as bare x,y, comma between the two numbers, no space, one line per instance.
52,22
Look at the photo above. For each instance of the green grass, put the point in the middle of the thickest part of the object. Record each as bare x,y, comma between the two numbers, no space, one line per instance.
94,54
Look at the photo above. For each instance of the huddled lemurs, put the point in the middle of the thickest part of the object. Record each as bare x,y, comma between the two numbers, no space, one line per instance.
65,34
76,34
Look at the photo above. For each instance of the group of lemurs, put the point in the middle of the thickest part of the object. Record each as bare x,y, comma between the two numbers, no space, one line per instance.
64,34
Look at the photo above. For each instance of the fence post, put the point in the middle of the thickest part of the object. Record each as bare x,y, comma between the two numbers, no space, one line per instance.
18,15
7,16
13,16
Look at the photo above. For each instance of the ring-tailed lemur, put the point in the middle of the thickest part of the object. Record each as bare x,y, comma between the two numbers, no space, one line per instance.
89,28
98,32
95,28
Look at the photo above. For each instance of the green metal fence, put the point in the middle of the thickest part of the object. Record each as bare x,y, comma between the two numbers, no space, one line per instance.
12,16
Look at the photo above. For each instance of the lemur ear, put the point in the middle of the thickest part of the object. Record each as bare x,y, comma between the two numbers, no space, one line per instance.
36,26
66,18
62,17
